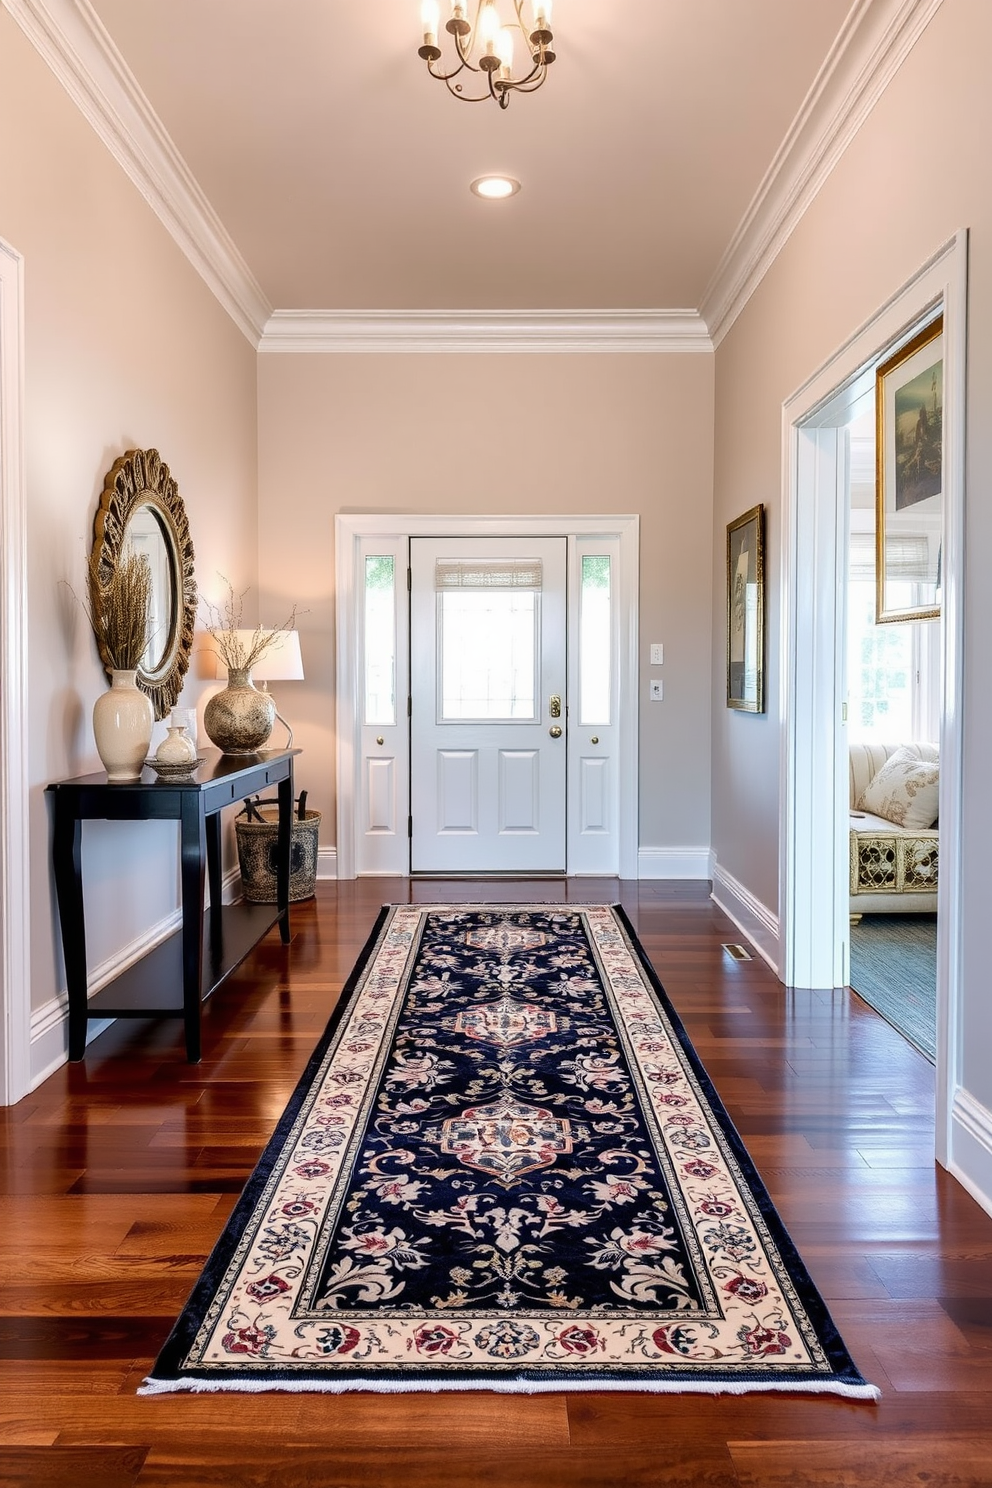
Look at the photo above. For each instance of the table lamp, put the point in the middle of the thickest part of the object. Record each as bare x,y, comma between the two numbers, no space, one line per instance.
282,661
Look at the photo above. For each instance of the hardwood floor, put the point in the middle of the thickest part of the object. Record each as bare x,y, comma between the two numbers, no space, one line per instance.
118,1174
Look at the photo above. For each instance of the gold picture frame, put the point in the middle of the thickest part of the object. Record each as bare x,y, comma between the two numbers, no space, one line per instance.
746,612
909,484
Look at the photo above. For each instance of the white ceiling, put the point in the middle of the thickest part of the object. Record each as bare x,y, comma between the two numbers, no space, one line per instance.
341,171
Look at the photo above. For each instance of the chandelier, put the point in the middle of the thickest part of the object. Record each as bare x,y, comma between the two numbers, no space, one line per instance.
485,47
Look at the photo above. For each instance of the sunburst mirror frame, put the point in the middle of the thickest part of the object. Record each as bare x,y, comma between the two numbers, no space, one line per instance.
140,478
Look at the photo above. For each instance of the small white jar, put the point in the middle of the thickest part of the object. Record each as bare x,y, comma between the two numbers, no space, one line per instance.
177,748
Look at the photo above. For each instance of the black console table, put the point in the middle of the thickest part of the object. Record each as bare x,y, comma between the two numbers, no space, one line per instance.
175,978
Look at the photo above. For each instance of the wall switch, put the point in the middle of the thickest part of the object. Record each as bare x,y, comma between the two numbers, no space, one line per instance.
657,654
657,690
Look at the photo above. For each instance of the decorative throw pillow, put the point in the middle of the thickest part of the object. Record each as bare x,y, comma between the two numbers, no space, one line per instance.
905,790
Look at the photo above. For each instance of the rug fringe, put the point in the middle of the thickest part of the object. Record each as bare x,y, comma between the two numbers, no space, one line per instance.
191,1385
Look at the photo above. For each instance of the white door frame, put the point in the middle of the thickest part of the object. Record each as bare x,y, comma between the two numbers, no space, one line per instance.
813,845
350,530
15,921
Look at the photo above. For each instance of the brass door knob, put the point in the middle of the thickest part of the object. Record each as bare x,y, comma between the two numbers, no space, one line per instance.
380,740
555,731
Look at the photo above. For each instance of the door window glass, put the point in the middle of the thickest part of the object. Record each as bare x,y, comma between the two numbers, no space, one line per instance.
380,640
893,669
488,617
595,640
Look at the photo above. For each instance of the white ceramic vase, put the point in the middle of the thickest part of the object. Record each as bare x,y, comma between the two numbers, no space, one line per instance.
122,724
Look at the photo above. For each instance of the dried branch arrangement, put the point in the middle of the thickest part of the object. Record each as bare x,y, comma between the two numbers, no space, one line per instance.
236,644
119,610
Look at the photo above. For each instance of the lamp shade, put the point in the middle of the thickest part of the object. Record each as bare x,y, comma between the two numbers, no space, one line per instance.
282,661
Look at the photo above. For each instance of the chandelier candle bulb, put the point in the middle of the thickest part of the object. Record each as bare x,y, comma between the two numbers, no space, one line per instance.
489,27
504,48
430,15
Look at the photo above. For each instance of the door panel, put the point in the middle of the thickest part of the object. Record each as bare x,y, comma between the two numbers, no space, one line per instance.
593,783
457,790
488,763
381,795
519,808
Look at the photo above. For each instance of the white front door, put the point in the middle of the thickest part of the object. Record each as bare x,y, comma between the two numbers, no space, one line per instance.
488,707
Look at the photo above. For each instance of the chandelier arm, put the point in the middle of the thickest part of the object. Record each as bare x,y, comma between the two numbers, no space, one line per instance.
444,77
500,91
464,49
465,97
528,84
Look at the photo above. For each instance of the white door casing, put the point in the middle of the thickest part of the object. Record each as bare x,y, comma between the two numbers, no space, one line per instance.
15,925
487,774
373,777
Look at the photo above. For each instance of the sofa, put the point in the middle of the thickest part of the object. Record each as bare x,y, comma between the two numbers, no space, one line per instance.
893,855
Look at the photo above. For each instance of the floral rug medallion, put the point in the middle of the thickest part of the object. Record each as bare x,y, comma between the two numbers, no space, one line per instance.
505,1168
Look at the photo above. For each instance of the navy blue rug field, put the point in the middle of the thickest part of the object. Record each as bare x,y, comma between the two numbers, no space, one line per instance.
505,1168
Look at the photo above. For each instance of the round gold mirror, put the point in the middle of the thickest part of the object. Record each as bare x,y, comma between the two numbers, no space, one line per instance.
142,512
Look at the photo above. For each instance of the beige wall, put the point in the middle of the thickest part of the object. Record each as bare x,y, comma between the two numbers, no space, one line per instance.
917,172
125,347
500,434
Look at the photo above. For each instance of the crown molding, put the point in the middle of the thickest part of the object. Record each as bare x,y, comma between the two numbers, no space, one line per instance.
620,331
871,46
73,41
875,39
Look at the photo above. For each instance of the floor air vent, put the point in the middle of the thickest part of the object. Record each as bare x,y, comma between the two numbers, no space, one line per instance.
737,952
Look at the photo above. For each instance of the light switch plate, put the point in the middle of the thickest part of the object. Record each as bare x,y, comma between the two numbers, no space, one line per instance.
657,692
657,654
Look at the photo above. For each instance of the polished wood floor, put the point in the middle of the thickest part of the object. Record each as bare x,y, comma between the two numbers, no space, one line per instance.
118,1174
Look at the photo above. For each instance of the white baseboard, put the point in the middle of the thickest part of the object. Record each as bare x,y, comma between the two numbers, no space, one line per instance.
748,913
50,1037
652,862
673,862
971,1147
50,1022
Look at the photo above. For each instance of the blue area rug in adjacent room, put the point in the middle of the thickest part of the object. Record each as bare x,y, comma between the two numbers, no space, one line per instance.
505,1169
894,970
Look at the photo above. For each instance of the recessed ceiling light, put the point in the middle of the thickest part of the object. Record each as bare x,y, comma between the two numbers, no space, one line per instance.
495,187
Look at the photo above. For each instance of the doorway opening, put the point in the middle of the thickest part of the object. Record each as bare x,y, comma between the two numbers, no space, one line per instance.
540,773
815,848
893,726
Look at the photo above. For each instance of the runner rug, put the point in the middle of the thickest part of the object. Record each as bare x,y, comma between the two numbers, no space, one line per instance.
505,1169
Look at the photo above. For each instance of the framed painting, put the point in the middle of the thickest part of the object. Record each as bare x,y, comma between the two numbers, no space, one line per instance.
746,612
909,450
